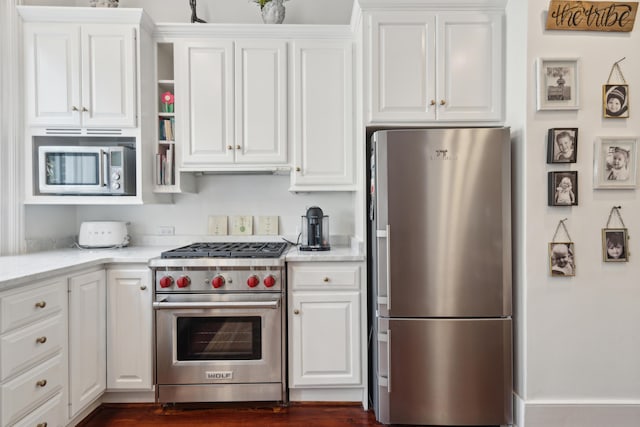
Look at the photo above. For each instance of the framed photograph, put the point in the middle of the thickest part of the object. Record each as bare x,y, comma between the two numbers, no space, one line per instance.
562,145
615,245
557,84
615,163
562,259
615,101
563,188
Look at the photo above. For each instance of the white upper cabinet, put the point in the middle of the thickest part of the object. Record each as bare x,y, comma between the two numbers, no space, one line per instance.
323,129
231,103
80,75
435,67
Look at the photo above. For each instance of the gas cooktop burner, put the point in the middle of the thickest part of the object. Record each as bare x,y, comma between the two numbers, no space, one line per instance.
228,250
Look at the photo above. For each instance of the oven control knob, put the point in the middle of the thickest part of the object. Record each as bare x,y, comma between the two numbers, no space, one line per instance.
183,281
269,281
217,281
166,281
253,281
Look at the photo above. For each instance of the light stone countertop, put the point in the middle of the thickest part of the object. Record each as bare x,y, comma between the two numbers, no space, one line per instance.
20,269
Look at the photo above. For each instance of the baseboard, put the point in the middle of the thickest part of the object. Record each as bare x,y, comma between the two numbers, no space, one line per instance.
327,395
578,414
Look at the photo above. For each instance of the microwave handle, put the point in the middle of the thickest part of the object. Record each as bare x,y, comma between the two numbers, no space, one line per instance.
104,168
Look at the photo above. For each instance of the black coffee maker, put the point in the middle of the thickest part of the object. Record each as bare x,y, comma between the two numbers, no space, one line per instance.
315,230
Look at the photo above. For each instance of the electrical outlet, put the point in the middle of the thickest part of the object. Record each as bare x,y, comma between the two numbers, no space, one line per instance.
166,230
217,225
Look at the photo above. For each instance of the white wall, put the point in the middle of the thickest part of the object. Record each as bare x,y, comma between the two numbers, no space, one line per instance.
229,11
582,333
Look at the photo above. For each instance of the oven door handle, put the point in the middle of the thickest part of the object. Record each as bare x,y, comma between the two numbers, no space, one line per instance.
161,305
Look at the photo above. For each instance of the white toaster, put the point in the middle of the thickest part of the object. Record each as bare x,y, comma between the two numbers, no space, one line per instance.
103,234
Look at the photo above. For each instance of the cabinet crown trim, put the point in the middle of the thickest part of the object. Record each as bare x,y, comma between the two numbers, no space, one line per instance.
435,5
261,31
85,15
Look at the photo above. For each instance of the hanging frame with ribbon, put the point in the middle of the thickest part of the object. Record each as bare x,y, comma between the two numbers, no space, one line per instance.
615,94
615,241
562,262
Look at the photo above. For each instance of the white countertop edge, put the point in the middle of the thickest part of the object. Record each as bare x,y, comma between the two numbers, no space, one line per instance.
21,269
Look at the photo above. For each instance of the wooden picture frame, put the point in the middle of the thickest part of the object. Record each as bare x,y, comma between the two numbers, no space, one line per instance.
558,84
562,188
615,163
562,259
615,101
615,245
562,145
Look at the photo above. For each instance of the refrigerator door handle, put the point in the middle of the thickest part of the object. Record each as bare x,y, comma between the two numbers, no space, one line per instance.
388,267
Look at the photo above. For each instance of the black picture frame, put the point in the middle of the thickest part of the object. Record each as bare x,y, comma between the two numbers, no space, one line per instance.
562,262
562,188
615,245
558,149
619,96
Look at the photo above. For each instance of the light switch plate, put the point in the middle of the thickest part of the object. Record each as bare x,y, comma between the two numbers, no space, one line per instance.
218,225
242,225
267,225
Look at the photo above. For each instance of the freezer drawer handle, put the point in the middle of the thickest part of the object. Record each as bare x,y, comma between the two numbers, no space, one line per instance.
216,305
386,381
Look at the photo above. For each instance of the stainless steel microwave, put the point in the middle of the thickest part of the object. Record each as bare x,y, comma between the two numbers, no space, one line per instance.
87,170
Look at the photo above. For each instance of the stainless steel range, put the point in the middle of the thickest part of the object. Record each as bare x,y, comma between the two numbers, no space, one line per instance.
219,322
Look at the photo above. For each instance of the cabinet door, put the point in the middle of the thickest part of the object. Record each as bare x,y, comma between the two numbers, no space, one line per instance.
129,326
261,101
402,66
469,67
108,75
52,74
204,102
324,339
87,339
323,115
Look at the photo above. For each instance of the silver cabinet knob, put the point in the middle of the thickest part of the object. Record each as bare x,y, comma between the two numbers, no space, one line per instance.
41,383
41,340
41,304
143,288
442,102
296,311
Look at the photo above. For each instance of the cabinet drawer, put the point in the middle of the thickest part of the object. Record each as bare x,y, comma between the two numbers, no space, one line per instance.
20,395
322,275
22,307
25,346
50,414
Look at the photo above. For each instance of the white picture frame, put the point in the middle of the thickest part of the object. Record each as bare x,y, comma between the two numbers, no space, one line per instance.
615,162
558,84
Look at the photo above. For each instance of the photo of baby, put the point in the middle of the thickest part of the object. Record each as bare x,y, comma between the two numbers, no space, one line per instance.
616,101
561,259
617,164
562,145
614,245
563,188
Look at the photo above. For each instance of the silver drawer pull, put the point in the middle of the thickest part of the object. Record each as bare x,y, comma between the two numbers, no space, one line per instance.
159,305
41,340
326,280
41,383
41,425
41,304
143,288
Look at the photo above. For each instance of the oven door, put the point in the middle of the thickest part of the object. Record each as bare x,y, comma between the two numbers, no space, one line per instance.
218,339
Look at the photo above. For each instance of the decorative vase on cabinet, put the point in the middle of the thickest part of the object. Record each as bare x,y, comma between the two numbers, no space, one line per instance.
273,12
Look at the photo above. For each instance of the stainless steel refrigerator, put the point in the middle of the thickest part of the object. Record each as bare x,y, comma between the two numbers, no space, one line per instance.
440,276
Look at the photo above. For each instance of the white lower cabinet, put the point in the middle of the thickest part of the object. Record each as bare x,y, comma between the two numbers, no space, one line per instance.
326,326
33,342
129,326
87,339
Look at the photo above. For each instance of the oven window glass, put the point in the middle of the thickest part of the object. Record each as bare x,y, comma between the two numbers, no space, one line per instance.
72,168
219,338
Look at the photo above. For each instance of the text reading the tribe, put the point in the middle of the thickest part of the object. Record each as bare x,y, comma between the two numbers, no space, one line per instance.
591,16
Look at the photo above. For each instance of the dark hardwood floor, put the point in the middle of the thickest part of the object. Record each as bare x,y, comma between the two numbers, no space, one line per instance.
295,414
